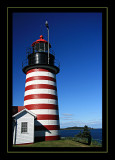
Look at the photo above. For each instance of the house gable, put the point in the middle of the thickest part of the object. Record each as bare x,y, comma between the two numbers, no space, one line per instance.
19,137
23,112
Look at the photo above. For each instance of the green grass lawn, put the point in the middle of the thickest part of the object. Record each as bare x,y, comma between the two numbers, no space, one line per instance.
57,143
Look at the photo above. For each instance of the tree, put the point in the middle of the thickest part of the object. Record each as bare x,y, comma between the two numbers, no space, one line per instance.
86,131
87,134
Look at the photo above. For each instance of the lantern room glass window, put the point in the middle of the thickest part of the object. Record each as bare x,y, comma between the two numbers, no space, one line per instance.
24,127
36,47
41,47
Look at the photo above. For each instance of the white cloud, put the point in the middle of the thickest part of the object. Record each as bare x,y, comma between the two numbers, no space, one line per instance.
67,114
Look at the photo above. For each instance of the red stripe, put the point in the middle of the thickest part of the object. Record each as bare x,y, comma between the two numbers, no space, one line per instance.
51,138
40,96
47,127
37,70
37,86
40,78
47,138
41,106
47,117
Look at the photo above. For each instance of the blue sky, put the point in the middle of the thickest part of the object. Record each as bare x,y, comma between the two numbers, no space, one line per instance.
76,39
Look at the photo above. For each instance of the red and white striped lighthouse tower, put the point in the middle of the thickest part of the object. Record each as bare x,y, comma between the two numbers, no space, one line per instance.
41,90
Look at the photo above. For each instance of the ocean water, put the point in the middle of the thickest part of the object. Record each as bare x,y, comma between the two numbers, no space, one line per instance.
95,133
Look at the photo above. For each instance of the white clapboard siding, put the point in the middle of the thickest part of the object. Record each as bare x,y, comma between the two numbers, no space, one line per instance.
21,138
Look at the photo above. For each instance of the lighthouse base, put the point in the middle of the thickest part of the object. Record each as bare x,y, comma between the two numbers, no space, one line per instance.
48,138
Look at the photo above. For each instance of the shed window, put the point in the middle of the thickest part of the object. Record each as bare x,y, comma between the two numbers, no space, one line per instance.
24,127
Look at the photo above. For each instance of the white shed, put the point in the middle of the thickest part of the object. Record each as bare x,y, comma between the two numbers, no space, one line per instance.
23,127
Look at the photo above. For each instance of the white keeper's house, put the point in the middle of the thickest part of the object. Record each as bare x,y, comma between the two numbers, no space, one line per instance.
23,125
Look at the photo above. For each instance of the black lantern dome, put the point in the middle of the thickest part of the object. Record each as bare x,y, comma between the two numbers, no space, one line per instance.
39,57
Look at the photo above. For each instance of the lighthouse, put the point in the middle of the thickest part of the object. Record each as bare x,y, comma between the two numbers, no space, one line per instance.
40,96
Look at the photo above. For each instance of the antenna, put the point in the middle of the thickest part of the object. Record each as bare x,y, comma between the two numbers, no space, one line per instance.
46,23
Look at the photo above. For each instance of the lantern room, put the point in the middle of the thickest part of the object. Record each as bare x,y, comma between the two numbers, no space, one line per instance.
40,45
39,57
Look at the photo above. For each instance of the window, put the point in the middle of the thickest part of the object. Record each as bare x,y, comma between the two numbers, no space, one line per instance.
24,127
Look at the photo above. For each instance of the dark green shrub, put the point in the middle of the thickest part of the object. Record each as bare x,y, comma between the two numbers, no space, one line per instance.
84,136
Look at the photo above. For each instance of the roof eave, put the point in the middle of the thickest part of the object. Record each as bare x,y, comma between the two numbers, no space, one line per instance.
23,111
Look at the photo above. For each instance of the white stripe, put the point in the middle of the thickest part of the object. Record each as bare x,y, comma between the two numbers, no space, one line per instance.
40,82
46,133
40,91
45,111
39,73
40,101
46,122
